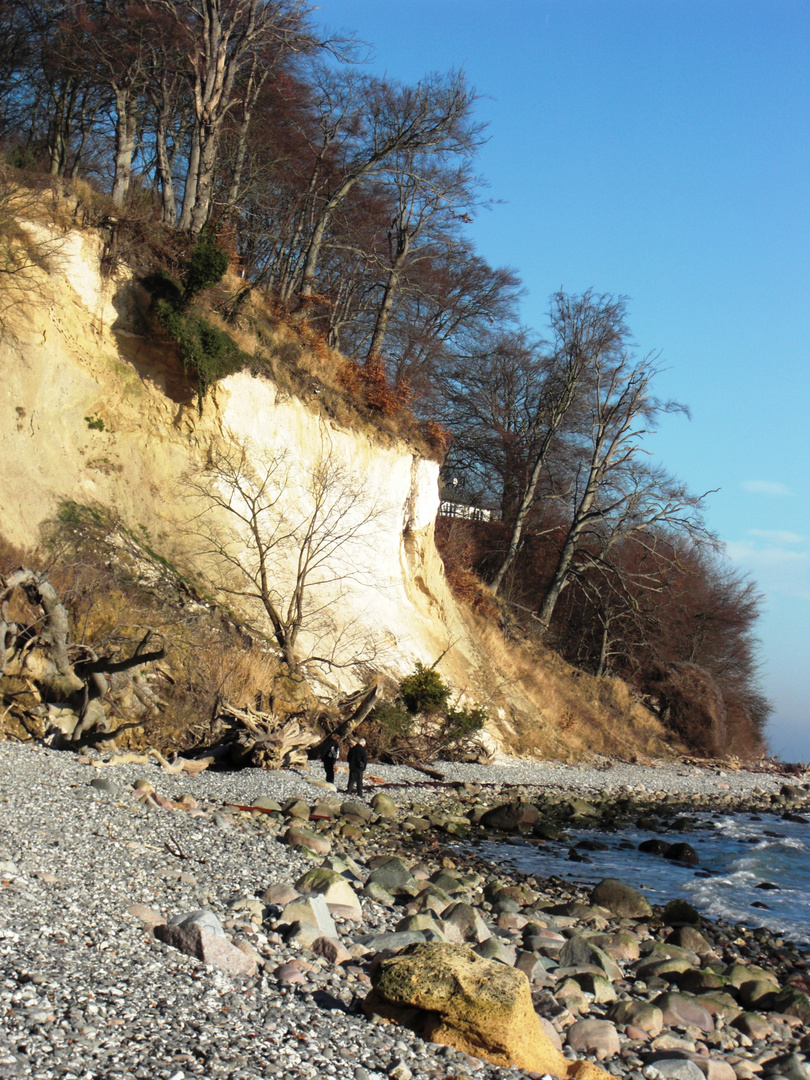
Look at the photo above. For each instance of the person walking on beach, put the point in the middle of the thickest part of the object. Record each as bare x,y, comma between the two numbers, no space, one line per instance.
330,749
358,760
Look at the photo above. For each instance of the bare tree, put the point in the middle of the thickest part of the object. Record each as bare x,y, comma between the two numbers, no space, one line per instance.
368,120
226,43
585,331
279,538
615,492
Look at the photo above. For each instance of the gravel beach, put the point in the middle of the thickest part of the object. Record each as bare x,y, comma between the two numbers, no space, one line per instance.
89,865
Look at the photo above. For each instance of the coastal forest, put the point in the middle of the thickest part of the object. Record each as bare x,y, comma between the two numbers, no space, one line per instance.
233,154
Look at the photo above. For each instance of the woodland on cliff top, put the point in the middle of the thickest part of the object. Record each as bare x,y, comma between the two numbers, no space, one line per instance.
226,133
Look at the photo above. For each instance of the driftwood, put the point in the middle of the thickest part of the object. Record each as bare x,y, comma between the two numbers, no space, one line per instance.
178,765
53,685
247,737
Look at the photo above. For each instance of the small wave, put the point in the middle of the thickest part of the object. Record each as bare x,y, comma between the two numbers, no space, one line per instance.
789,843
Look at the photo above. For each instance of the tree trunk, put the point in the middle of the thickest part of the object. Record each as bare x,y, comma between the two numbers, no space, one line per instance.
201,211
126,128
387,305
190,190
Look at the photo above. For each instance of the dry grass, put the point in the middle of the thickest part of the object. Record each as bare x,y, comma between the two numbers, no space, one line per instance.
115,591
540,706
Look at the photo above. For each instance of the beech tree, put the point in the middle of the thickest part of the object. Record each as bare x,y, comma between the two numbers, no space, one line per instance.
614,491
368,120
226,41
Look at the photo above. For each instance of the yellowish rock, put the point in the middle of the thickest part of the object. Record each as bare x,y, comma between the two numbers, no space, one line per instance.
448,994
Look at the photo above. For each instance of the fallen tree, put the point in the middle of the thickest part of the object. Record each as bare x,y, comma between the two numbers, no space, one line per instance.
54,688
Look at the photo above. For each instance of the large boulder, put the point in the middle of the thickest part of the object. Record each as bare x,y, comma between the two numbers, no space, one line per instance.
511,817
449,995
622,900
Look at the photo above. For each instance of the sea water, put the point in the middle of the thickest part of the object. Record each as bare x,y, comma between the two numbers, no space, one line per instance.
754,869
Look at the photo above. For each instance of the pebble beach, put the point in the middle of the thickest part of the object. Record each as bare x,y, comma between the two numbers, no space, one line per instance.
96,862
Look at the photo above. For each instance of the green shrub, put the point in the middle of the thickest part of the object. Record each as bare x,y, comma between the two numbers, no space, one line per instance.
389,725
208,351
206,265
424,690
460,724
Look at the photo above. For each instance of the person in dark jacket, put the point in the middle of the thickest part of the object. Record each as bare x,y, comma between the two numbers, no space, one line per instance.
329,755
358,760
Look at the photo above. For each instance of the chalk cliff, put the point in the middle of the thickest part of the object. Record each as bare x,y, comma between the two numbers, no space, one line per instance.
96,412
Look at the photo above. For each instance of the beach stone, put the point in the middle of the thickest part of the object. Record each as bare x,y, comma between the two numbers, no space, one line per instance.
597,985
376,892
697,980
394,876
264,802
449,883
679,912
665,950
640,1014
683,853
668,1041
289,973
677,1068
213,949
579,951
331,949
714,1068
622,900
688,937
449,995
792,1002
416,823
570,993
597,1037
392,940
654,846
431,898
466,919
353,808
425,924
511,817
531,967
296,808
620,946
683,1010
300,836
791,1066
494,949
669,968
720,1004
581,808
204,920
279,895
101,783
739,974
148,916
310,912
753,1024
384,805
334,888
757,994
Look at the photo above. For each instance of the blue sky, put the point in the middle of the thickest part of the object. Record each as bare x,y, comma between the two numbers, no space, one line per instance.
660,149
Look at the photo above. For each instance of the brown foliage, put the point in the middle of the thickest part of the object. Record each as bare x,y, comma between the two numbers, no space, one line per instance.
691,704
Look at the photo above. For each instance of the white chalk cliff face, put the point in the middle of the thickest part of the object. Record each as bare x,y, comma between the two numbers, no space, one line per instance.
91,413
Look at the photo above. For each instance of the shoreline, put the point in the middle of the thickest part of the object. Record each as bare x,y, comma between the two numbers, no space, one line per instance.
90,991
